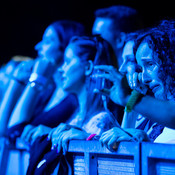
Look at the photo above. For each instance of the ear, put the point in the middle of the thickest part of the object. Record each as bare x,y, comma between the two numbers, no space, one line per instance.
89,68
120,40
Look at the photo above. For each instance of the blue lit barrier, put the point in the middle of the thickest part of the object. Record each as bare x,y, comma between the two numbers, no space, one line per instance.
158,159
4,154
90,158
13,159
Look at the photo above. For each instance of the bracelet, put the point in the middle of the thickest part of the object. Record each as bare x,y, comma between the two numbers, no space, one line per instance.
91,137
37,86
34,77
132,100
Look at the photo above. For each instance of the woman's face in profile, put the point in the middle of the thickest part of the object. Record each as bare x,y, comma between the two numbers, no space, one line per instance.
49,46
150,66
73,70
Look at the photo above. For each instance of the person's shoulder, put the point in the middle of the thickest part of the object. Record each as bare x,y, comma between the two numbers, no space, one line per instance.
103,114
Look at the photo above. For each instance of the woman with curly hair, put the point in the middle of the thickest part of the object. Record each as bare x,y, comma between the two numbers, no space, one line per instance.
154,52
156,58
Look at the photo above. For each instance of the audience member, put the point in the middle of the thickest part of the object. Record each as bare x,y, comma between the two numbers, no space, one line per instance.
154,49
43,93
81,55
7,70
113,23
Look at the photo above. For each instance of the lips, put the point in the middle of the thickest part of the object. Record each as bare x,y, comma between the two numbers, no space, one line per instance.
63,79
155,88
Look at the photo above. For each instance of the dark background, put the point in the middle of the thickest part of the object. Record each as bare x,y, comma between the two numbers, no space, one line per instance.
23,22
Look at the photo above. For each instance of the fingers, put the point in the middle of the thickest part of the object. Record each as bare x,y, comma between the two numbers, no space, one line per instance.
65,142
103,91
28,130
135,80
35,135
57,130
112,143
49,137
113,136
124,138
105,137
39,131
110,70
140,77
106,68
62,141
130,80
56,138
28,137
103,75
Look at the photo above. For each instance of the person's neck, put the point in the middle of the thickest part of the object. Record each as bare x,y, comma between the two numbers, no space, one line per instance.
82,98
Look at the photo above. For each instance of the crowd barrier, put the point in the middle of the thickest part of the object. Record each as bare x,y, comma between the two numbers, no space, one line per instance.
90,158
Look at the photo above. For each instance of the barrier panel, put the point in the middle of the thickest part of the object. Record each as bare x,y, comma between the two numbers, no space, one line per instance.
158,159
90,158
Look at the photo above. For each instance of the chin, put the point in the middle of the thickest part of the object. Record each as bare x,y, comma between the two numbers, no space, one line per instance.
160,95
65,88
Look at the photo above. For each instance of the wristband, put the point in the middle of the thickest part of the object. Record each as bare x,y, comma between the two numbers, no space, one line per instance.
132,100
37,86
38,79
91,137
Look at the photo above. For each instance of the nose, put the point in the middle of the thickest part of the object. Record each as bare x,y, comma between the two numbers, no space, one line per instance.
146,79
123,68
38,46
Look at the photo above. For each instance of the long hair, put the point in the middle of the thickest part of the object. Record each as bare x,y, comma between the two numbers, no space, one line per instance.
161,39
99,52
66,29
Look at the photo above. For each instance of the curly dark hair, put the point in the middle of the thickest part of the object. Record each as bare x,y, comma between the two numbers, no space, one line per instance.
161,39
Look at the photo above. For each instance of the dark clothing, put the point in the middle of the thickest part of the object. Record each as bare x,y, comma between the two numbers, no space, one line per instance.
59,113
43,161
52,118
154,128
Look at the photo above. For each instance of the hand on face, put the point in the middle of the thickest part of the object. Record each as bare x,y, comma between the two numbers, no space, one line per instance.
120,89
135,82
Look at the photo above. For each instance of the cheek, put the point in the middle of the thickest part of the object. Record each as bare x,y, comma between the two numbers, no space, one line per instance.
50,49
75,74
155,74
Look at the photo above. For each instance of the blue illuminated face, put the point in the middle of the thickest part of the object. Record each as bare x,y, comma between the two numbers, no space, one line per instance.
150,64
129,63
49,46
103,26
73,70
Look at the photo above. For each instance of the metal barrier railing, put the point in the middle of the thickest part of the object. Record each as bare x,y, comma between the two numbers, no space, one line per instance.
90,158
